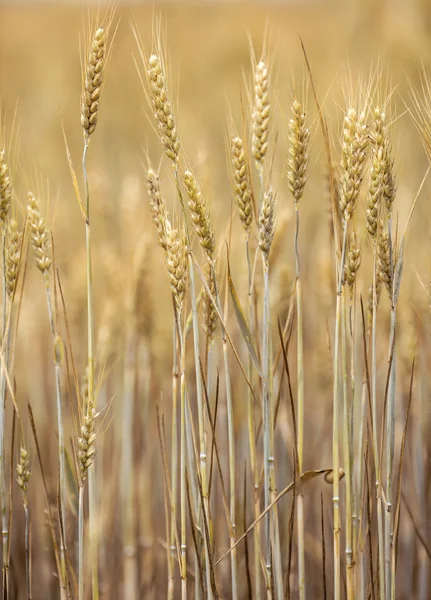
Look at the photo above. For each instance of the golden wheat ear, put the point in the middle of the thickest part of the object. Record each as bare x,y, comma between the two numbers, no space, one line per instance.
261,113
93,82
242,188
299,137
39,236
5,188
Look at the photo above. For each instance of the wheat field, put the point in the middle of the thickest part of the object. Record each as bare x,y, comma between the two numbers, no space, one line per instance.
216,300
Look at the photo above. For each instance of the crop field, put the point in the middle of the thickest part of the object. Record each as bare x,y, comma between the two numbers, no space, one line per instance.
216,300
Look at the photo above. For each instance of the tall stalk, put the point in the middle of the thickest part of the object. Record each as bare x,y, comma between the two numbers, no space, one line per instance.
231,444
4,506
335,425
375,430
174,463
390,442
92,530
183,450
81,543
201,422
266,235
299,136
252,434
346,452
60,428
300,416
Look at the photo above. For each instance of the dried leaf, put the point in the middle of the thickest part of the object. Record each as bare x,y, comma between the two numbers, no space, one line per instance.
242,321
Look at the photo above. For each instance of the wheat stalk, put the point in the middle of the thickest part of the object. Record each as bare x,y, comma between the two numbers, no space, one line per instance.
40,240
22,477
299,136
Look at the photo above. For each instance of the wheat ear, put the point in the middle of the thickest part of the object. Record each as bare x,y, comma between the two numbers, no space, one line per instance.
162,107
242,188
93,82
261,113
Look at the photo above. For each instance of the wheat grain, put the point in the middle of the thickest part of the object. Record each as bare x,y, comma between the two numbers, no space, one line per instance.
93,83
39,236
383,258
162,107
267,223
13,256
23,473
353,263
299,136
199,215
353,154
177,264
5,188
157,205
261,113
242,188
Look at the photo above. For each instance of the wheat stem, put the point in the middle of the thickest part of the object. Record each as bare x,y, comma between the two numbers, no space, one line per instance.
375,430
4,507
174,462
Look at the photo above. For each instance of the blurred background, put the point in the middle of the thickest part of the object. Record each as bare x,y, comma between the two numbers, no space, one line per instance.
208,46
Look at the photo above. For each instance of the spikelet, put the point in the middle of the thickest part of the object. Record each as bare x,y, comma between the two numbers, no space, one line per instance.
39,236
353,154
23,473
353,263
242,186
210,313
93,83
87,439
13,256
299,136
157,205
162,107
177,265
383,258
5,188
260,115
267,223
199,215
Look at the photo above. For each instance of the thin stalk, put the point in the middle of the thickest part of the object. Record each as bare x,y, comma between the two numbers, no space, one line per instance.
90,350
359,488
174,464
390,448
231,439
81,543
266,420
127,483
300,415
27,551
346,452
375,440
183,485
275,530
201,421
251,432
335,424
231,444
60,428
4,505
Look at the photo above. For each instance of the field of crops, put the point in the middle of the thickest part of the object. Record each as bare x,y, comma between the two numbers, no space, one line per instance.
216,267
